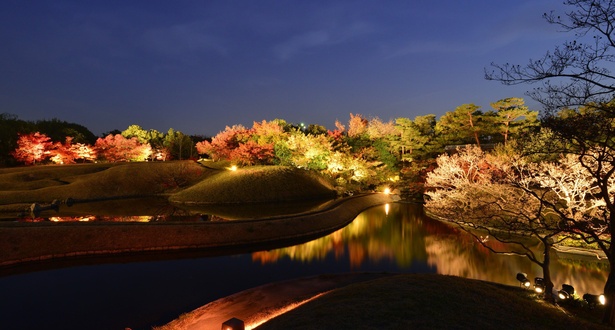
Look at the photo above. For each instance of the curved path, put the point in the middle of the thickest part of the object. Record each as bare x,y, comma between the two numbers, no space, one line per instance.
24,243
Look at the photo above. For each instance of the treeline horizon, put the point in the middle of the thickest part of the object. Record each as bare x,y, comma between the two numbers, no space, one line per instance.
464,125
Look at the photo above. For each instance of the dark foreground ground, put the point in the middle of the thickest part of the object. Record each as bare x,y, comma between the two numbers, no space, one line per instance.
388,301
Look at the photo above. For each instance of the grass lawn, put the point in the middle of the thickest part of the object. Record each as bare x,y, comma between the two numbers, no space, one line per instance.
43,184
429,301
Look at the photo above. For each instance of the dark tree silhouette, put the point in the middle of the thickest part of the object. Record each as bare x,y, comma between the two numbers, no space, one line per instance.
576,72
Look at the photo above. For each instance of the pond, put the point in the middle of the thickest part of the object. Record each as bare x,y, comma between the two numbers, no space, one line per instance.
158,209
389,238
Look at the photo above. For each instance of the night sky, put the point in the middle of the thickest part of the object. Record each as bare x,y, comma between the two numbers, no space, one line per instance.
199,66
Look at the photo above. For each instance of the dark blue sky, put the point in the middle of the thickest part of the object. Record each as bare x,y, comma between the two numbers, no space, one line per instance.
198,66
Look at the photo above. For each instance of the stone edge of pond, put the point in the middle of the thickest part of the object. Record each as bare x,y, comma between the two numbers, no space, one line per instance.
65,241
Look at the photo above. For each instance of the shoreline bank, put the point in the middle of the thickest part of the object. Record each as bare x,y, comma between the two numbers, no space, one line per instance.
28,243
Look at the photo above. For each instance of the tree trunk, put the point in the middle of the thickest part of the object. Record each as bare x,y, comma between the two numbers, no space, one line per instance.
609,293
609,286
546,273
473,129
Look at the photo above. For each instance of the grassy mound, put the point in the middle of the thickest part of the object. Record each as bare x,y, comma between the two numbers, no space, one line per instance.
427,301
257,184
43,184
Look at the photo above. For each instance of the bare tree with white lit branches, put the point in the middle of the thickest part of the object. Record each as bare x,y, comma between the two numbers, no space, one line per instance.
576,78
491,198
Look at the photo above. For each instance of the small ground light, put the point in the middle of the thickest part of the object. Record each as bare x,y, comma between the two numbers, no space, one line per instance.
593,299
233,324
539,284
568,288
566,292
233,168
523,281
387,190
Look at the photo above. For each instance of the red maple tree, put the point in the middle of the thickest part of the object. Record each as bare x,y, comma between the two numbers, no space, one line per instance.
63,153
223,144
116,148
32,148
252,153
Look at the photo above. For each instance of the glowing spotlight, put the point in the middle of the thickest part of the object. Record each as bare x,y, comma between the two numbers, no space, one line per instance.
563,295
233,168
387,191
568,288
539,284
523,281
566,292
233,324
593,299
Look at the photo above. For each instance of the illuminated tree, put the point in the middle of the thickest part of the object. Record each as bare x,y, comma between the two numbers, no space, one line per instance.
578,74
316,129
246,146
32,148
137,132
63,153
252,153
366,161
357,125
179,145
494,196
258,143
377,129
415,136
68,152
116,148
83,151
350,173
339,126
462,125
304,151
267,132
155,139
513,117
222,145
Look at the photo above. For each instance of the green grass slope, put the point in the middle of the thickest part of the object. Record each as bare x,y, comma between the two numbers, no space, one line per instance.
429,301
257,184
43,184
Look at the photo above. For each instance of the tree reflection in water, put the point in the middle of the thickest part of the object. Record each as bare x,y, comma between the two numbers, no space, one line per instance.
403,234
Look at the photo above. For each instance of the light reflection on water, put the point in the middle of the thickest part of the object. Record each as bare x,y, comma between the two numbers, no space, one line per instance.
159,209
119,218
142,294
401,234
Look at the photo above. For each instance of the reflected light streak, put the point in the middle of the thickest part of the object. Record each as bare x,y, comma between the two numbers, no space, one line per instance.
406,240
97,218
277,312
387,207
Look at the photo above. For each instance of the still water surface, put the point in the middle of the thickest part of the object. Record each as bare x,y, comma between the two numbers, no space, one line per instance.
387,238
